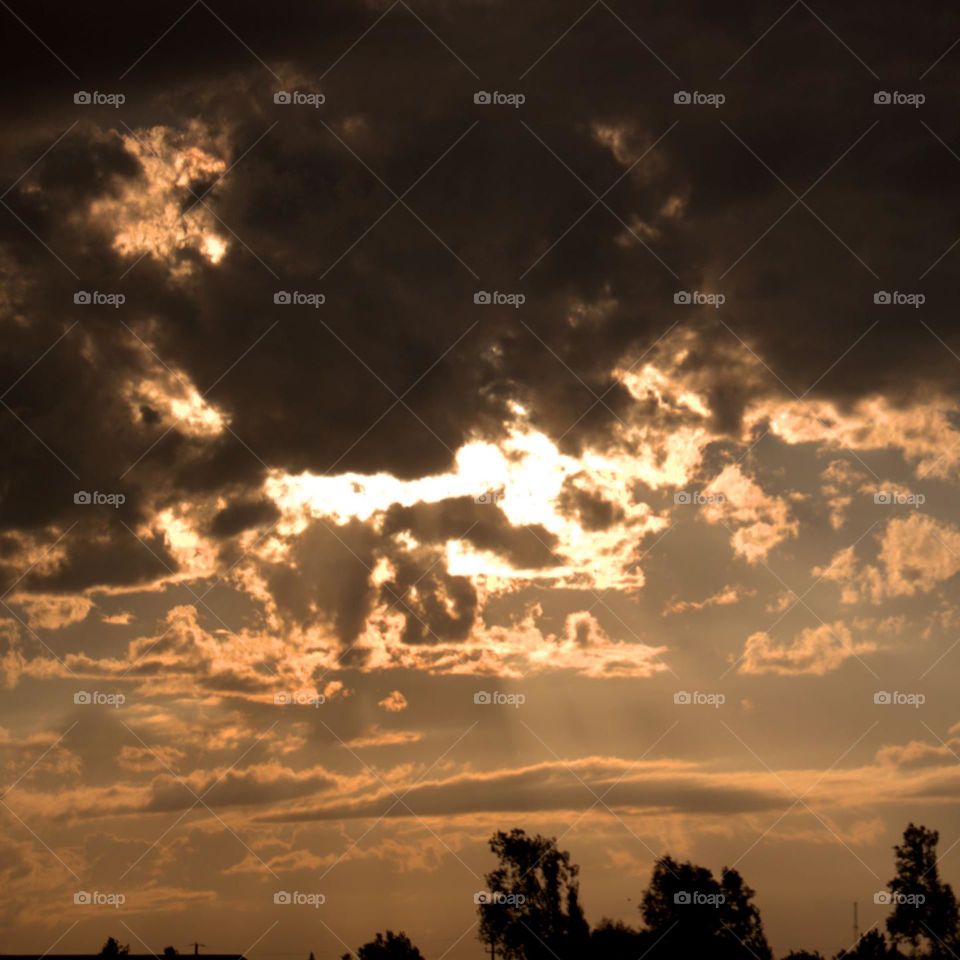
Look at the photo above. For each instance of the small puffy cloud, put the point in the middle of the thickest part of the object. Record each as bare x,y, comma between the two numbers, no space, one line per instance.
335,689
815,650
762,521
393,702
917,554
840,480
48,612
121,619
724,597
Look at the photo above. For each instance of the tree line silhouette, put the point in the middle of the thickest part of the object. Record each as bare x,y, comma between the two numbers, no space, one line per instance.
531,911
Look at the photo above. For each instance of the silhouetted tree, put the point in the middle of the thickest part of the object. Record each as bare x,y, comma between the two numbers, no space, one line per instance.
532,911
803,955
924,909
741,917
613,940
113,948
170,952
871,946
392,947
688,913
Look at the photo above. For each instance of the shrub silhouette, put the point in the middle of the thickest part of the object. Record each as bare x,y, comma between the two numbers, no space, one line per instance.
393,946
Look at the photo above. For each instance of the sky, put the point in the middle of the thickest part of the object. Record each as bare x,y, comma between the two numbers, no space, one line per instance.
422,419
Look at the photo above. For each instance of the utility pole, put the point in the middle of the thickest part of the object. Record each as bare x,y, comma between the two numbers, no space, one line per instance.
856,926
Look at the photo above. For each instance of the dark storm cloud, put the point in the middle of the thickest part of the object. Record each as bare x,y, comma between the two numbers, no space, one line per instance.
400,366
435,605
243,515
591,510
479,524
328,574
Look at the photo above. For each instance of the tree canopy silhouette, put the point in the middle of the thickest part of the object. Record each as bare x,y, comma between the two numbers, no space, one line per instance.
871,946
532,910
690,913
924,908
